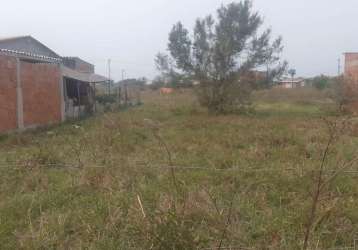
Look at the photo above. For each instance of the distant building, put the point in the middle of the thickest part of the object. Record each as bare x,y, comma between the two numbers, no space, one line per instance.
351,65
39,87
290,83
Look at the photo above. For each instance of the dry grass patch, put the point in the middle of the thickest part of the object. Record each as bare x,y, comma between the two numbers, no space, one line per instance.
107,183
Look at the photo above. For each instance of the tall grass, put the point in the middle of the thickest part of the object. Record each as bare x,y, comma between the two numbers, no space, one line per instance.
303,95
167,175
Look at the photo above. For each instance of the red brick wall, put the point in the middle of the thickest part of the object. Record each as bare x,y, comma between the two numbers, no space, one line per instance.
41,93
351,65
8,112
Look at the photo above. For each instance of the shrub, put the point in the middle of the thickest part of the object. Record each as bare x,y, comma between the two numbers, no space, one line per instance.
107,99
226,98
345,94
321,82
157,83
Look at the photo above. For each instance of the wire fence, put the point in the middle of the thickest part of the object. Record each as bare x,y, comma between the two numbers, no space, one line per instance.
80,166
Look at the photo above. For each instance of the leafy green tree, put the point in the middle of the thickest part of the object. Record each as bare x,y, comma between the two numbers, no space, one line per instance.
171,78
321,82
222,55
163,63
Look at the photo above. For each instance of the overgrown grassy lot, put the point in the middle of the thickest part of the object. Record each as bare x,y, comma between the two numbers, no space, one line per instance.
166,175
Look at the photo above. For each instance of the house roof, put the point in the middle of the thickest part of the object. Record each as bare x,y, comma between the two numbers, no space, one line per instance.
83,77
26,55
76,58
3,39
68,60
27,44
27,47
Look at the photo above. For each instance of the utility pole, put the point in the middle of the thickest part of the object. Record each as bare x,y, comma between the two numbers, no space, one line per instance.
125,88
119,88
339,66
123,71
109,76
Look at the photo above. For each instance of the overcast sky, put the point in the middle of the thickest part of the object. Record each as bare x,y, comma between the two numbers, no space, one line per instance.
315,32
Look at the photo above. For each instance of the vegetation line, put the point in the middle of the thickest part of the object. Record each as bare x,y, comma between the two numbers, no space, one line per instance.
234,168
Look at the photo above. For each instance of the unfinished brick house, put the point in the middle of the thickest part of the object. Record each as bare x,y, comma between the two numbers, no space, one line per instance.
351,82
38,87
351,65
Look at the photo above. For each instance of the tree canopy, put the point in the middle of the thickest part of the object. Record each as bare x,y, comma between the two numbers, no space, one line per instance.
222,52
